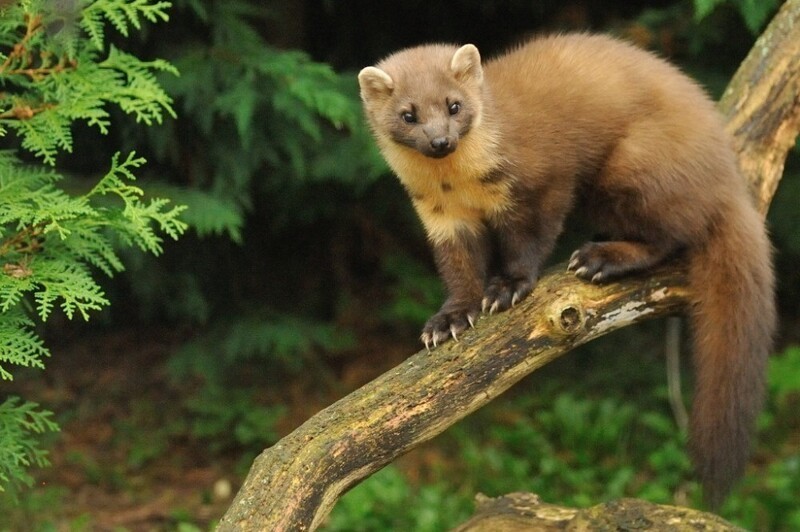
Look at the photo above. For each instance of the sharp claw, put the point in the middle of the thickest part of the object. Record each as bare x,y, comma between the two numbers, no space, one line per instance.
494,307
572,263
515,299
596,277
471,321
580,272
434,340
453,332
484,304
426,340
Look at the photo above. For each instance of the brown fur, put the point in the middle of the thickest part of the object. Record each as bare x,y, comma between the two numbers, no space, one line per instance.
494,176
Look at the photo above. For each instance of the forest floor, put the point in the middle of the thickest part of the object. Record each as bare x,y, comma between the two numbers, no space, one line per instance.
123,459
130,455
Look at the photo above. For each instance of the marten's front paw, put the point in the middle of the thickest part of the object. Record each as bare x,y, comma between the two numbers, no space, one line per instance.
447,323
503,293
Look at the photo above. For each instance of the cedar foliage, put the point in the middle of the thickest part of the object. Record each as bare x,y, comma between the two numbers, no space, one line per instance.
56,69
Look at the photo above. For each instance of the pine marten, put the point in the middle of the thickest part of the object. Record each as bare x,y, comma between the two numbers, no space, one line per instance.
494,156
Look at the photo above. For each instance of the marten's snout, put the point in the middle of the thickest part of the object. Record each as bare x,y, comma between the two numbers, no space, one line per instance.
441,146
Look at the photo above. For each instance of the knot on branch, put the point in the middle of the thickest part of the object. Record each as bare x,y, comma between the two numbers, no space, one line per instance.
571,319
566,312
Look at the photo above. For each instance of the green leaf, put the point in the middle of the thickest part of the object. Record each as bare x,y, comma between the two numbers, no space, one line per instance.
19,344
240,103
208,213
18,448
69,282
137,91
45,133
756,12
703,8
54,243
122,14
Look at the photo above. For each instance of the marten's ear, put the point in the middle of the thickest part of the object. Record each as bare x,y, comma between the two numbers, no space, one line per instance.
374,83
466,64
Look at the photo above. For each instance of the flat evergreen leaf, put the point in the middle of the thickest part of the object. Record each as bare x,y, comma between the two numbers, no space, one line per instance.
240,102
28,202
122,14
208,213
53,242
13,288
116,179
141,95
134,223
77,92
167,220
703,8
44,96
19,343
287,339
19,449
92,23
44,134
90,244
756,12
68,282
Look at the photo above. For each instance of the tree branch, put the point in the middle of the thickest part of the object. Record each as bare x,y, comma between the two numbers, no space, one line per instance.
762,104
294,484
525,512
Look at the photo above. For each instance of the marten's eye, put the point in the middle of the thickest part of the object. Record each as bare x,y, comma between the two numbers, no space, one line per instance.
408,117
454,108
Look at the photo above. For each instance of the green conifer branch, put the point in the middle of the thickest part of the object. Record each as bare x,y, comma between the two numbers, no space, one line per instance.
19,449
53,243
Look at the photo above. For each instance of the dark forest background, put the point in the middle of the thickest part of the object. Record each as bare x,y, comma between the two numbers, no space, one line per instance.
306,273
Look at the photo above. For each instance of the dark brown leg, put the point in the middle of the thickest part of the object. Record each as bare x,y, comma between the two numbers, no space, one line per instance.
462,265
523,244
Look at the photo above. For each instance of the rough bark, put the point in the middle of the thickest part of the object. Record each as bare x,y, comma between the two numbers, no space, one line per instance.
294,484
525,512
762,103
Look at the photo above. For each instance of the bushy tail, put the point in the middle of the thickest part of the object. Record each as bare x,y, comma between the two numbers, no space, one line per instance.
733,323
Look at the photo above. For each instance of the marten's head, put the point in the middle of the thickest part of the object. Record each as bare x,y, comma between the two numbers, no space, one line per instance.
425,98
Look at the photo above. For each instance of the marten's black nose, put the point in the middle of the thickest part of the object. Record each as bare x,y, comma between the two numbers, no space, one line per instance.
440,144
439,147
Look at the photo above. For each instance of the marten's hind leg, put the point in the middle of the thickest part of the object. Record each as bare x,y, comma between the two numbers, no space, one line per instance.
649,199
605,261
